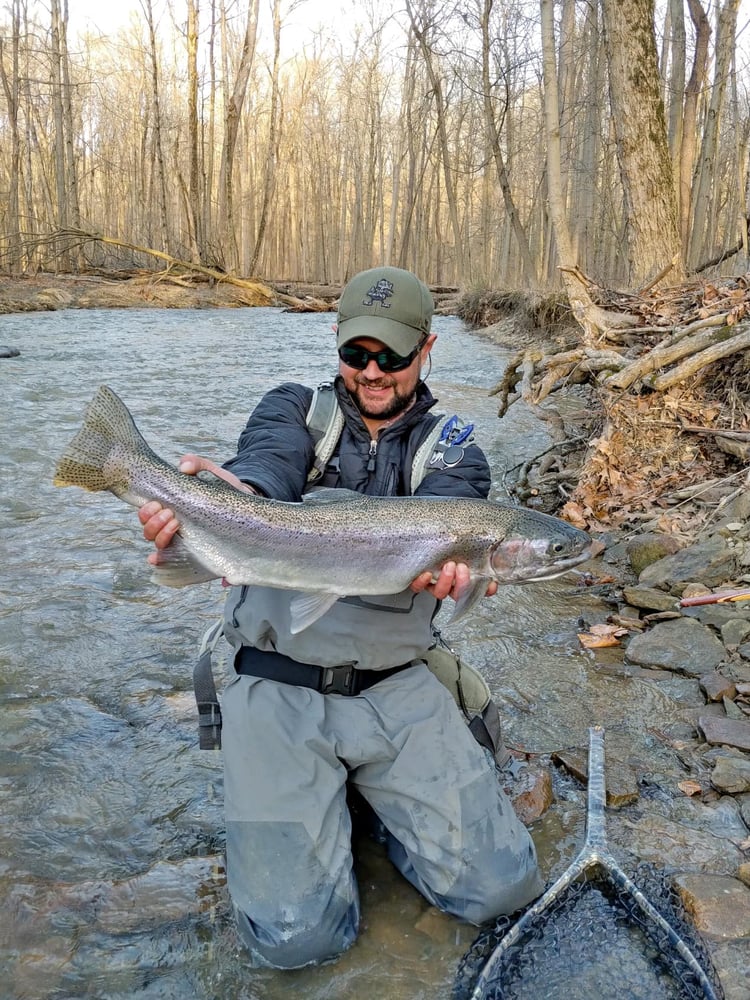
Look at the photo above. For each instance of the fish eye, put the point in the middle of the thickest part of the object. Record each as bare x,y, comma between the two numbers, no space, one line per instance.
558,547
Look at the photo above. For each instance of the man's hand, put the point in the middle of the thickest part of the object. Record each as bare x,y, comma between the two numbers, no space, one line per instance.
159,523
453,579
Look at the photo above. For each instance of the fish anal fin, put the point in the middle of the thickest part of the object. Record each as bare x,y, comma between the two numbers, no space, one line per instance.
308,607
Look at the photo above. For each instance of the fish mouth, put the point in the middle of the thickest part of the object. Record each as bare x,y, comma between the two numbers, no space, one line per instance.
531,573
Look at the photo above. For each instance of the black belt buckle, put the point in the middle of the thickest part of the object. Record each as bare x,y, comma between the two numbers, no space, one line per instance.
338,680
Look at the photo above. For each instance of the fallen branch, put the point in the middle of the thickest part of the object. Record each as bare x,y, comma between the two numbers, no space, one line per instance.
692,429
660,276
250,284
698,361
672,349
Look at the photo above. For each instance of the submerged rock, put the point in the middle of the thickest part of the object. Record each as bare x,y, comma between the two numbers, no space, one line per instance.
650,599
718,905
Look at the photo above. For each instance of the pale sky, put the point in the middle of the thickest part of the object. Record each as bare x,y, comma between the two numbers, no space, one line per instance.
108,17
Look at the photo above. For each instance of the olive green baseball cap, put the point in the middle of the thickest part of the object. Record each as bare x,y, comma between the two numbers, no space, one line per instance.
388,304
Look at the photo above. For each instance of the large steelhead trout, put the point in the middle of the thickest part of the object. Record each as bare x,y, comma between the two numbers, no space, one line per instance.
334,544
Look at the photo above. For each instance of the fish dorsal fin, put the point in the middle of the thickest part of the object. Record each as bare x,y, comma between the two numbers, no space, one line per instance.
330,494
307,608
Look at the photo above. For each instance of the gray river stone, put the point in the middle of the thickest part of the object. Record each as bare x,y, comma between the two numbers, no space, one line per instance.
731,774
650,598
735,631
681,645
648,548
712,561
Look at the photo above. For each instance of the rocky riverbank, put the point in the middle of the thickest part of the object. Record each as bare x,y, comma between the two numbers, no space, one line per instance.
654,628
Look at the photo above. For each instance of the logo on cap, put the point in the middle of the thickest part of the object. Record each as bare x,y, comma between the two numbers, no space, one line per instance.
379,293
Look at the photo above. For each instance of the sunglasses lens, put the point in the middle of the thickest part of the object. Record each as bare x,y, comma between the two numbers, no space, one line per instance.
386,360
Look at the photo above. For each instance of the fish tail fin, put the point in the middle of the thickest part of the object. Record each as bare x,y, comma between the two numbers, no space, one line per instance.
96,458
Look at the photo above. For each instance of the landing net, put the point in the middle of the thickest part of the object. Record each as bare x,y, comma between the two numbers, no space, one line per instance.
594,933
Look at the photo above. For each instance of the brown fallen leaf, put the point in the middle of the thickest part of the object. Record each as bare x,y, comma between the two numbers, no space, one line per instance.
589,641
689,787
600,636
574,513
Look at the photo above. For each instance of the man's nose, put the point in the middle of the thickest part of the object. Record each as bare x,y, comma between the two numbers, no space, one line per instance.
372,371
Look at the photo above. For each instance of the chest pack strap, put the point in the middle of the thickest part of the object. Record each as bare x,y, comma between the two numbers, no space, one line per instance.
442,448
325,422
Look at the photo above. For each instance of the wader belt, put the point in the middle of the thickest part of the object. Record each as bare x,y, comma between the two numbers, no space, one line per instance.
327,680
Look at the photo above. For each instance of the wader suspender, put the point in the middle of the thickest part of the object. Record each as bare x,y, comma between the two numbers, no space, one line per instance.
442,448
209,713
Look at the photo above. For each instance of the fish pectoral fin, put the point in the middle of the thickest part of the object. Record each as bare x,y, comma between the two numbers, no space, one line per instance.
178,567
471,594
307,608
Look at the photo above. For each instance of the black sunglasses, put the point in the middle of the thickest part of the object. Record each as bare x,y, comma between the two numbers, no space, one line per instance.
386,359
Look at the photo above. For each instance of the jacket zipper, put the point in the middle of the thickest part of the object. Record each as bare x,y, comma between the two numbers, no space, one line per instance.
372,455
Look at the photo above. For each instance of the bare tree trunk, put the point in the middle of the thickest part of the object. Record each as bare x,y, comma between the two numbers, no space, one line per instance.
407,202
195,214
675,44
269,179
527,262
209,234
578,296
70,131
693,91
160,180
61,187
701,237
641,134
232,116
565,92
588,170
11,88
442,127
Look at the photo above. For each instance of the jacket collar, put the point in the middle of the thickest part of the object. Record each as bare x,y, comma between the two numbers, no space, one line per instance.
424,402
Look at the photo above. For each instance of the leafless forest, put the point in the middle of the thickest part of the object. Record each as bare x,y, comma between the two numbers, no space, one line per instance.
483,143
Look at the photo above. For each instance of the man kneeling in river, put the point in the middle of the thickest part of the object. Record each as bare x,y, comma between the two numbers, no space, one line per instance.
296,732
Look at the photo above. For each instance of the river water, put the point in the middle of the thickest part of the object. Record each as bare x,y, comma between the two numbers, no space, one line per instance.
110,846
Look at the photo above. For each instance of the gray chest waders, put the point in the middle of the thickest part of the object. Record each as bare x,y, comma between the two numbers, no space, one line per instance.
467,686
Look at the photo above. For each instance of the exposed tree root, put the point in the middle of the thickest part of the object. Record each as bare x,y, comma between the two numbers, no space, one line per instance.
669,372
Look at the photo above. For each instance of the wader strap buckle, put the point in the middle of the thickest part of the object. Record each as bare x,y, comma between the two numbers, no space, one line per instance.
339,680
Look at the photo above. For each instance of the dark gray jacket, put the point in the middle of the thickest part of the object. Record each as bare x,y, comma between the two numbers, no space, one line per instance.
274,455
275,451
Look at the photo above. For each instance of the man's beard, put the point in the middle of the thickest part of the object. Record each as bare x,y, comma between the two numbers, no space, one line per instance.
400,401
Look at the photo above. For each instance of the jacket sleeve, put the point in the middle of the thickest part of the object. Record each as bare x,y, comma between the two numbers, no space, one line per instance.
275,451
470,478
